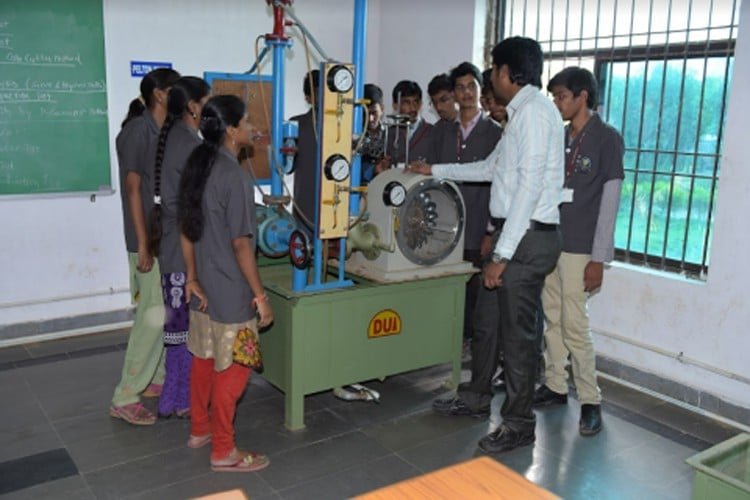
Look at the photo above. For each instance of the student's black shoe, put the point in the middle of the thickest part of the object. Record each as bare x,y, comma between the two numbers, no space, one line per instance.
544,396
591,420
505,439
457,406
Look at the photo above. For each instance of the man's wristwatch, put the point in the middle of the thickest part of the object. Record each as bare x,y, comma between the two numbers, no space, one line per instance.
497,259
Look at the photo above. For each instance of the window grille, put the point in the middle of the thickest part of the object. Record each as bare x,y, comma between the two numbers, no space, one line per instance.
664,68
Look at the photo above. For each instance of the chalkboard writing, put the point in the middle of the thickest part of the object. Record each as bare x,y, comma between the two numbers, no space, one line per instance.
54,134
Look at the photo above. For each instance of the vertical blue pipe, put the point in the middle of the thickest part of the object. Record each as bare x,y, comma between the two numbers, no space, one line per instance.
277,113
359,43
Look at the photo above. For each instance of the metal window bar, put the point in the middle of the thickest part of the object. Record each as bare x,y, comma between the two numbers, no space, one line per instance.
649,163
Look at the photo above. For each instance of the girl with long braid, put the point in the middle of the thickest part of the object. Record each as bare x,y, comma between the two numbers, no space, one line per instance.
177,139
143,368
217,219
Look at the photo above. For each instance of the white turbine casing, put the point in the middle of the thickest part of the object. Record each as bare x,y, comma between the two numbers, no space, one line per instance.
439,251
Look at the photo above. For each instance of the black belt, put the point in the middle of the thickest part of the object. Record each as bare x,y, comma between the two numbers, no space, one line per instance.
533,225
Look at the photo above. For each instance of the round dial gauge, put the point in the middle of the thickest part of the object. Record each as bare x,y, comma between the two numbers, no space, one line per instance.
337,168
340,79
394,194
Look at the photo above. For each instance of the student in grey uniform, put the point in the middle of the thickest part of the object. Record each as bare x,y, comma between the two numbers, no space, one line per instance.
143,368
407,102
305,164
471,137
594,171
217,219
440,91
177,139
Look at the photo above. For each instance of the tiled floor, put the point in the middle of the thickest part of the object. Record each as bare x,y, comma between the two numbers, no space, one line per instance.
57,440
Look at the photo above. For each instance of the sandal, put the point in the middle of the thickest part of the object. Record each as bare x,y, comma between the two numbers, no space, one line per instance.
240,461
198,441
152,391
133,413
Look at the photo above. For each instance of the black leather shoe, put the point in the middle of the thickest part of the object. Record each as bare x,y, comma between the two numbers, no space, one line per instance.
505,439
544,396
457,406
591,420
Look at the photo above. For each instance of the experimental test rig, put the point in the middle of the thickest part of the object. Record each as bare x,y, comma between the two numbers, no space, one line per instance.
379,287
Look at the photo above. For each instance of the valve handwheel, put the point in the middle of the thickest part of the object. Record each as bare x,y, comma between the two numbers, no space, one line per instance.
299,249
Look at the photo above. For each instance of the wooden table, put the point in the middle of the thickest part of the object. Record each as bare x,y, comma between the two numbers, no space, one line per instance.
475,479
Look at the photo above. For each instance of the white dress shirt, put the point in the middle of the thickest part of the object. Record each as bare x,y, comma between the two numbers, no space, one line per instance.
526,168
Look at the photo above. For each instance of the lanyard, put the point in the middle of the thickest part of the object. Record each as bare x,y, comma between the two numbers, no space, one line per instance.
572,163
460,145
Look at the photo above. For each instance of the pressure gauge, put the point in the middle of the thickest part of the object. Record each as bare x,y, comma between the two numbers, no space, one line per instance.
336,168
394,194
340,79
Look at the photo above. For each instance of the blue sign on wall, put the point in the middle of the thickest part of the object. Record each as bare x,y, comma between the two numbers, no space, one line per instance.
140,68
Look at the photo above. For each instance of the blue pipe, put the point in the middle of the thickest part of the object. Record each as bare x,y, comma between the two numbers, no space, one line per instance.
277,112
358,59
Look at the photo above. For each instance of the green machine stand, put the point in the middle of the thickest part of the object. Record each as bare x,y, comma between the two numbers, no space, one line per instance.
337,337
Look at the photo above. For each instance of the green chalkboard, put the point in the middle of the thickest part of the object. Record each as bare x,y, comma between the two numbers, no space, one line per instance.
53,98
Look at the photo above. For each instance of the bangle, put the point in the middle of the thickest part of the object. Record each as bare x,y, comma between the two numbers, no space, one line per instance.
259,298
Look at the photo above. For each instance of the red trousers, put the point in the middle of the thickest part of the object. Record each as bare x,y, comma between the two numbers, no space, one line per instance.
213,402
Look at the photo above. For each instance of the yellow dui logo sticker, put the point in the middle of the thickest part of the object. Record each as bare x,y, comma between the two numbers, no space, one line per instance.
386,322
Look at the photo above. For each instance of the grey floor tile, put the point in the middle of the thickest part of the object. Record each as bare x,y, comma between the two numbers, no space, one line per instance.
207,483
21,439
75,387
353,481
103,452
147,473
414,429
319,459
448,450
78,343
69,488
271,435
8,355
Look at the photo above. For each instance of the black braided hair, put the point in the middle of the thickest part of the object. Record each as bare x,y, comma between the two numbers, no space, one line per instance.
186,89
220,112
160,78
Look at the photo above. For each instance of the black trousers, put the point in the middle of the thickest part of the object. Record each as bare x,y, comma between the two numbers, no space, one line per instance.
472,290
506,321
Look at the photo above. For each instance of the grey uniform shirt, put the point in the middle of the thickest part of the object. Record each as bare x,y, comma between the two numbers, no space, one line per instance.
181,141
133,149
229,213
449,146
592,159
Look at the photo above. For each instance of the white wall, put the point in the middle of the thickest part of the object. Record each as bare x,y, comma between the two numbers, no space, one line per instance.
76,247
53,249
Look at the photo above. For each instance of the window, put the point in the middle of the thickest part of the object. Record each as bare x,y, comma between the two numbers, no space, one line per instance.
664,69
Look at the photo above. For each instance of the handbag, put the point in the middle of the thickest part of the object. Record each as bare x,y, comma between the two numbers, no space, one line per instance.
246,350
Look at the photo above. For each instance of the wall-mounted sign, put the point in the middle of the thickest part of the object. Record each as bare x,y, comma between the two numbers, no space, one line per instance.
141,68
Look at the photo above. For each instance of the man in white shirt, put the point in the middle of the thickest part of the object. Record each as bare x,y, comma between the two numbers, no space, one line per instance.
526,170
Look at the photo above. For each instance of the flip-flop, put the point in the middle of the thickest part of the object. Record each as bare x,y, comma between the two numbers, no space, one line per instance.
248,463
133,413
198,441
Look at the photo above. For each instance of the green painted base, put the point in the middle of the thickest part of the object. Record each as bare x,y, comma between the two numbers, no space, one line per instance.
343,336
723,471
